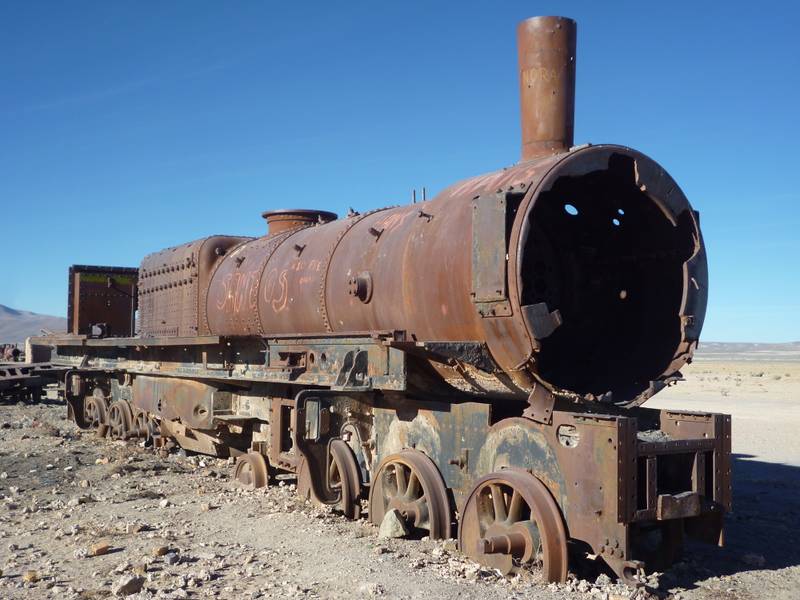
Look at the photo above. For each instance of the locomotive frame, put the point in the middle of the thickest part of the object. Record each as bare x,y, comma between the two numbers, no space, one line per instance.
344,421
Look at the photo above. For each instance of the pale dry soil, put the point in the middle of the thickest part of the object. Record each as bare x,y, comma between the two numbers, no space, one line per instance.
62,491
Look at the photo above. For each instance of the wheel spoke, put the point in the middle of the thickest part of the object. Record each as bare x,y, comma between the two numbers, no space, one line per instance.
413,488
400,477
515,507
498,503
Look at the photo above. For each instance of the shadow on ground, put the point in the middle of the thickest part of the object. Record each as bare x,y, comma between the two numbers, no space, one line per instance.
760,532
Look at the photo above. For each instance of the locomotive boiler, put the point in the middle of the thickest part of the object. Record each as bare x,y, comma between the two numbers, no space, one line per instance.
476,362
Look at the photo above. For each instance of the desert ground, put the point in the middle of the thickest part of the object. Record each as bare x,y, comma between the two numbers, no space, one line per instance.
82,517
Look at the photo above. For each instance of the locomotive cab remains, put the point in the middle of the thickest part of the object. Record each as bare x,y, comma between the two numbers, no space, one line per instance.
475,364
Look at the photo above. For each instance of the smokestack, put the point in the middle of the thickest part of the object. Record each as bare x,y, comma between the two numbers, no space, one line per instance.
546,49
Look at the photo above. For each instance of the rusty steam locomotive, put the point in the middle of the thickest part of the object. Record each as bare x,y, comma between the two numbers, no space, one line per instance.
477,362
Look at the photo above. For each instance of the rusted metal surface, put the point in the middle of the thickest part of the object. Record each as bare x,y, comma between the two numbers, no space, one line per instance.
173,283
293,218
430,280
546,49
192,402
102,300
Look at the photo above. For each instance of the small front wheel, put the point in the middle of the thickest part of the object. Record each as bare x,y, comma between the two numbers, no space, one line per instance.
251,470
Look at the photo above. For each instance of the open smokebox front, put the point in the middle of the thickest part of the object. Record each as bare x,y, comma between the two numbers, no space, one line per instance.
608,252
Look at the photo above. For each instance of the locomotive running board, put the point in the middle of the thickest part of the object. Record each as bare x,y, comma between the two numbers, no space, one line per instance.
351,362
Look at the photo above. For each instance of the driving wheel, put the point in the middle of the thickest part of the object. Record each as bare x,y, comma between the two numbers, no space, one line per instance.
410,483
95,412
510,520
120,419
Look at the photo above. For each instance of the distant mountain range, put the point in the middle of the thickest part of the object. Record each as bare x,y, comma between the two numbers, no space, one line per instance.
16,325
721,351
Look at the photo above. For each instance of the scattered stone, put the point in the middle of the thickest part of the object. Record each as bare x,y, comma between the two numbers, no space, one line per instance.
122,567
78,500
450,545
160,550
602,580
392,526
135,528
164,503
127,585
472,570
370,588
30,577
172,558
99,549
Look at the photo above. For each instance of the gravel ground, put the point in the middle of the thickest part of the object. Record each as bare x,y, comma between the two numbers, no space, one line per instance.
87,518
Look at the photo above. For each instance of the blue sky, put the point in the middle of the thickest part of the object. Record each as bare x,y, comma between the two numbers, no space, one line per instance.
128,127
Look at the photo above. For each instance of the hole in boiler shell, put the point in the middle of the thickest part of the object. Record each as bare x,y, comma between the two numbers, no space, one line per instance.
571,210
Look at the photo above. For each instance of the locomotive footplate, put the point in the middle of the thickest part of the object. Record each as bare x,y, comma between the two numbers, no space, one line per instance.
356,361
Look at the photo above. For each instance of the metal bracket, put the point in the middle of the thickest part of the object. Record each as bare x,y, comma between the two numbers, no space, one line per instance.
490,252
540,405
540,320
